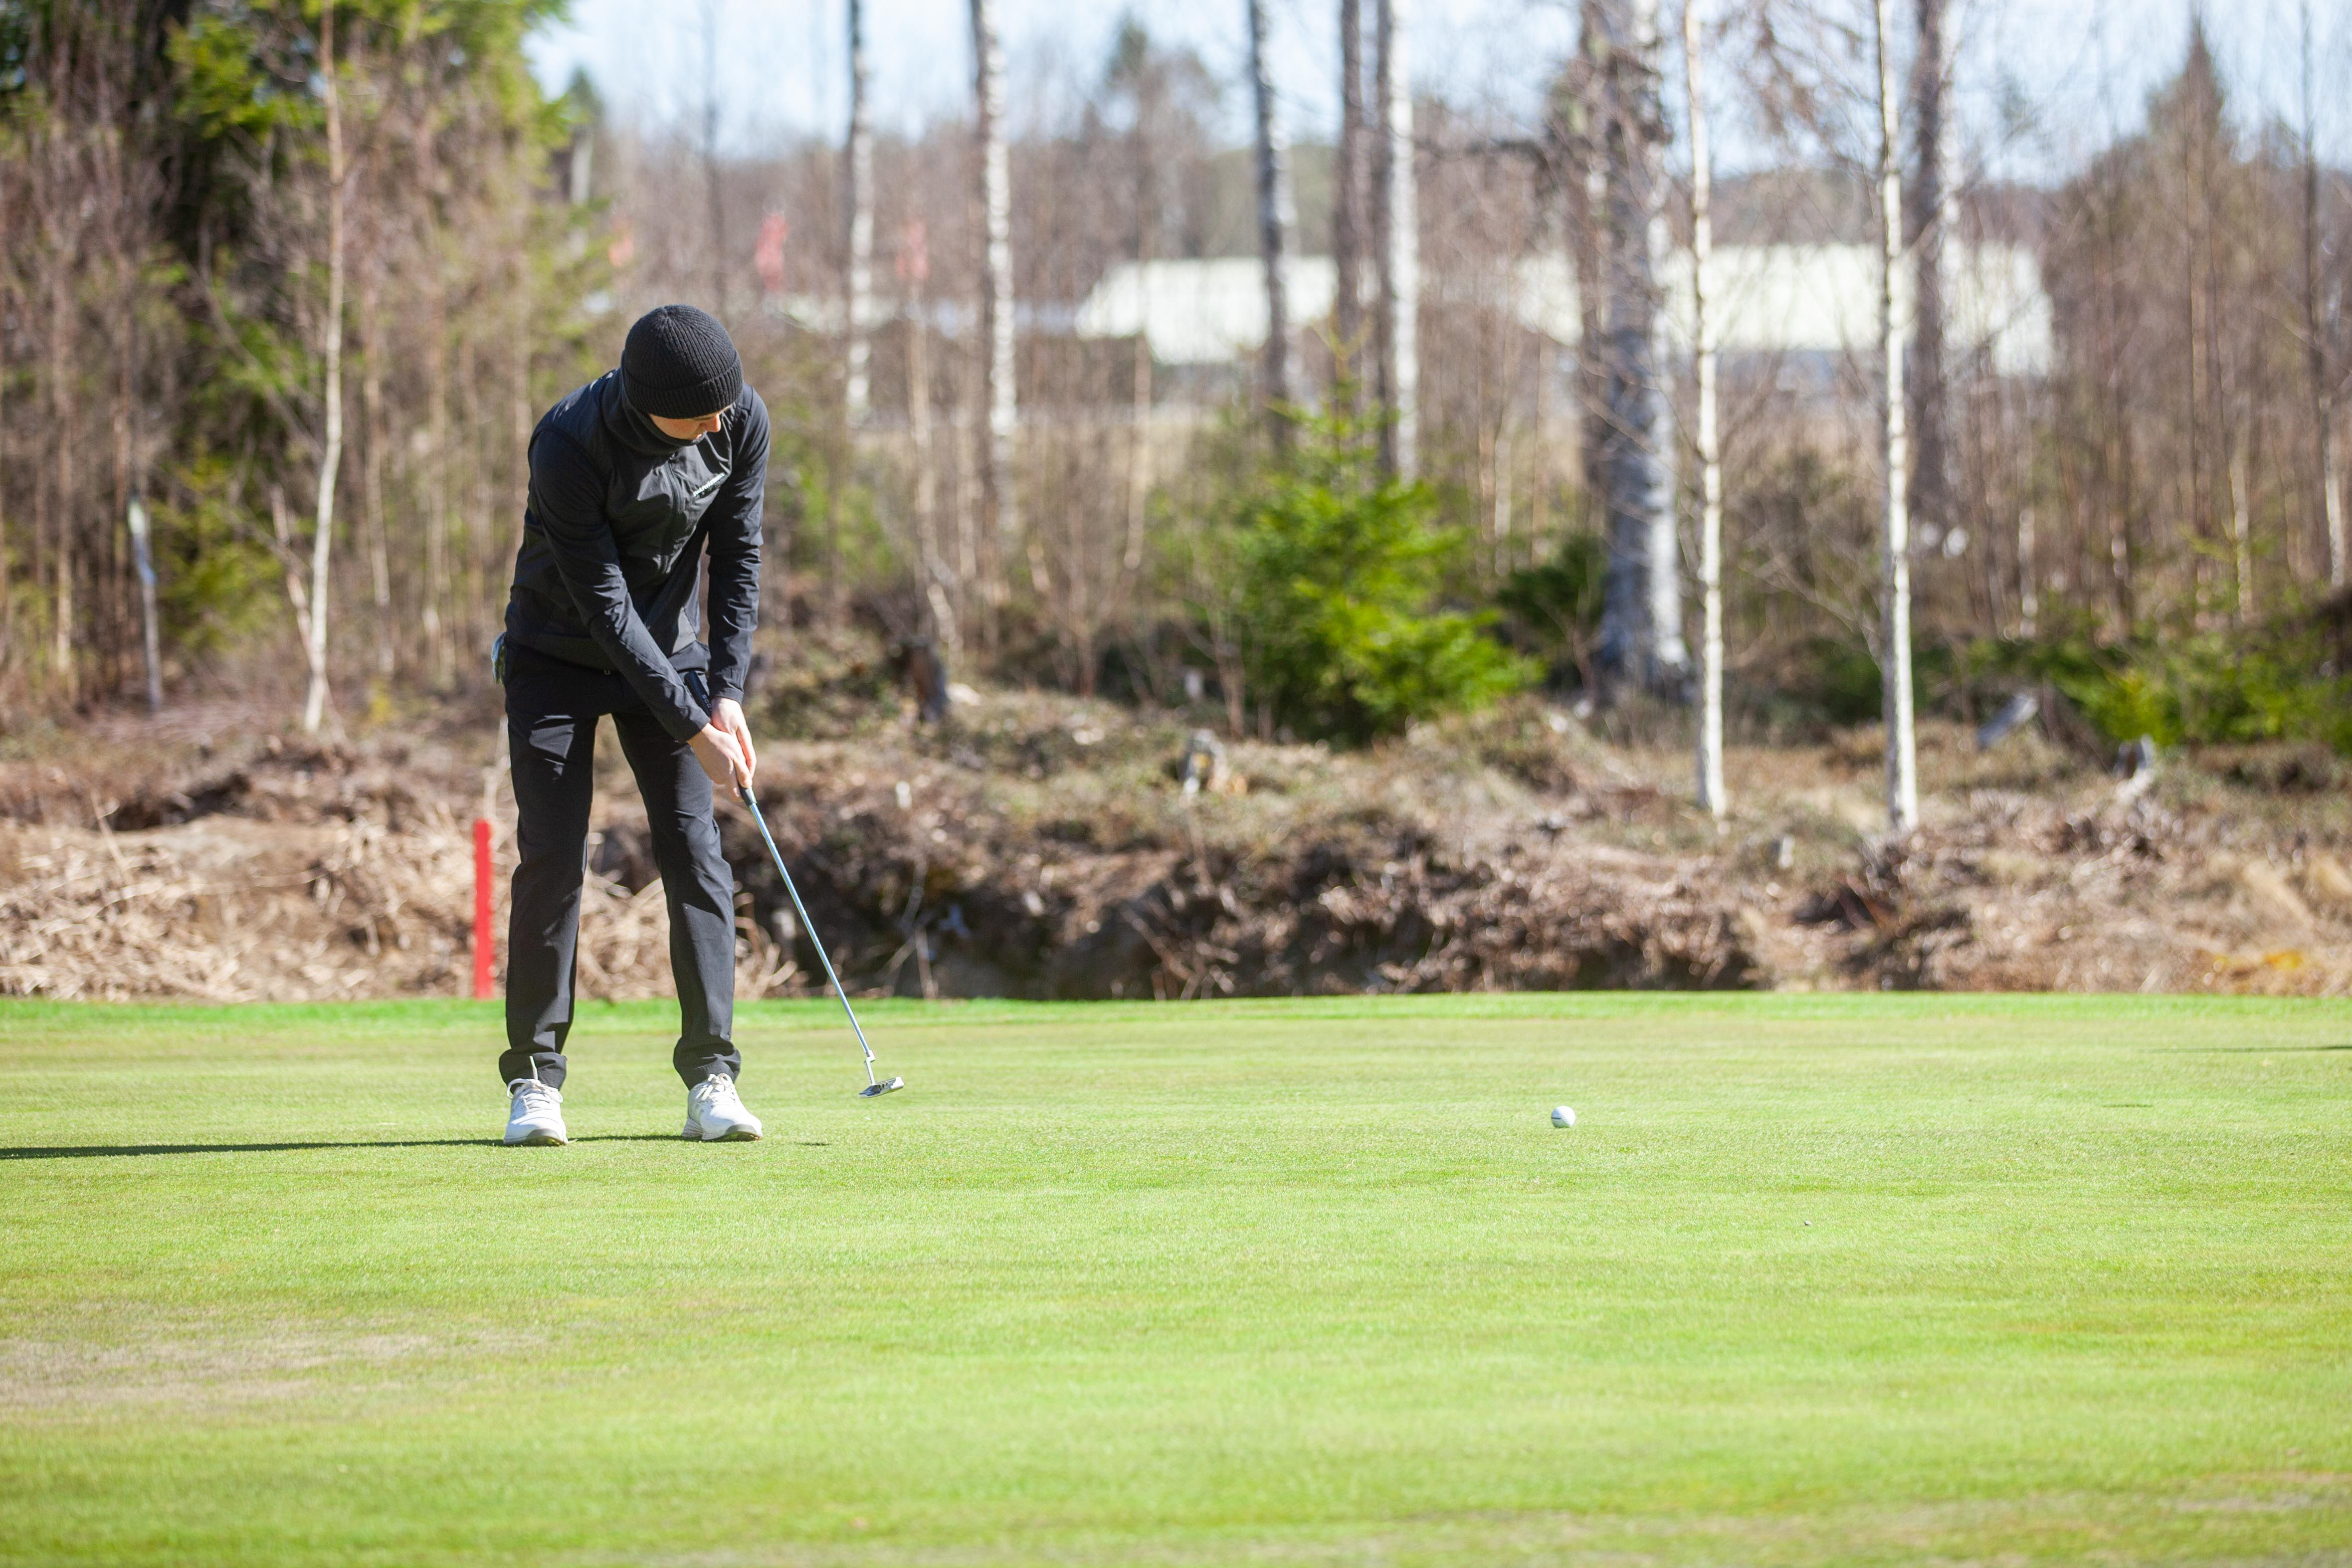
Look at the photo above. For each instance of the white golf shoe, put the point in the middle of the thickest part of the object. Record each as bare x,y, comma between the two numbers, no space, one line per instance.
537,1114
714,1113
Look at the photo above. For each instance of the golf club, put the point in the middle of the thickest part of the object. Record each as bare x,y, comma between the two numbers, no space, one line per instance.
874,1086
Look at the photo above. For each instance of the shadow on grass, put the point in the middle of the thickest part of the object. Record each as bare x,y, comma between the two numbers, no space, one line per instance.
125,1151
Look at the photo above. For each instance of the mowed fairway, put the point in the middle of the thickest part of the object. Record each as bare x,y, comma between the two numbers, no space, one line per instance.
1852,1280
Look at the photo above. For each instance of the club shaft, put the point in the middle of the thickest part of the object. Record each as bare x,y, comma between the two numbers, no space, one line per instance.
809,926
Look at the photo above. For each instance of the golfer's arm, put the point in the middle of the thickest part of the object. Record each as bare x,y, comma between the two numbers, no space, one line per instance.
590,565
735,559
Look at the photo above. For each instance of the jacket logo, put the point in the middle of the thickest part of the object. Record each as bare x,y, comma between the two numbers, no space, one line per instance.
712,483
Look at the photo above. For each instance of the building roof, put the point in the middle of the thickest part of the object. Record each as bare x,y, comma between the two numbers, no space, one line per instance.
1769,298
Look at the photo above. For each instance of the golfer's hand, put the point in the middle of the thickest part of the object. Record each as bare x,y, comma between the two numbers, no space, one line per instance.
727,714
721,758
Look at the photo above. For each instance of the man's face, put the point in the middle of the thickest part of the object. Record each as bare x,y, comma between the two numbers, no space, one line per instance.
687,429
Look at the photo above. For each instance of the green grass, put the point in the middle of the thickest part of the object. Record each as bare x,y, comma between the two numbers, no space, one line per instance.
1816,1280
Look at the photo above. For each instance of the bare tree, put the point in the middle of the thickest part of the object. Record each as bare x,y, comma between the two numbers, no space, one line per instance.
1711,795
2242,544
1640,636
2325,387
1587,191
1348,192
151,642
331,448
373,425
938,579
1928,382
67,223
1000,508
1894,647
1396,231
714,190
1276,218
860,165
143,559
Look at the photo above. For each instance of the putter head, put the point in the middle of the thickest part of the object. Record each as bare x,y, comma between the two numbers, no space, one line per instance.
871,1089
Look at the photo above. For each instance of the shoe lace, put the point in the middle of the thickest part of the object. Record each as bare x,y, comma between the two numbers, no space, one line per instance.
533,1094
719,1090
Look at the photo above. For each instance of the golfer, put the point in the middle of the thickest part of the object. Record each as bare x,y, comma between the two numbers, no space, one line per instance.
633,476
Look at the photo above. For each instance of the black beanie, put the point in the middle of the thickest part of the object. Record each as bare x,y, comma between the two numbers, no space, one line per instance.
679,364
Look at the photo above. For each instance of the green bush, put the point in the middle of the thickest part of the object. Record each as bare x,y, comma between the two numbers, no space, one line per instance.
1554,609
2275,683
1836,681
1333,572
1841,678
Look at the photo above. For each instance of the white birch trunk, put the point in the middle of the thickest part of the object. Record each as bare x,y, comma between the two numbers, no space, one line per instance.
1640,630
1397,231
1000,508
1711,793
1932,200
861,223
1274,221
1588,191
2322,395
1894,652
1662,556
331,454
1347,195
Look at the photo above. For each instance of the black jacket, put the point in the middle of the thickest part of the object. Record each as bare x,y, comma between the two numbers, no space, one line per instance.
613,541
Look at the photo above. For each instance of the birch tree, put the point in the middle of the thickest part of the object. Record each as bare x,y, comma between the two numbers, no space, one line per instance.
1641,635
331,448
860,205
1894,582
1588,199
1276,218
2318,332
1396,230
1348,193
1000,509
1929,205
1711,794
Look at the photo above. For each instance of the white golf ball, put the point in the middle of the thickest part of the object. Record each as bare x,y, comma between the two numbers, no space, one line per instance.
1561,1116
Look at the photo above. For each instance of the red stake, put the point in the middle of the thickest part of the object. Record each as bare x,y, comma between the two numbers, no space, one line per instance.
485,951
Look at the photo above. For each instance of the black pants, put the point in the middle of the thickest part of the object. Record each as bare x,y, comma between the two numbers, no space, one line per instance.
552,708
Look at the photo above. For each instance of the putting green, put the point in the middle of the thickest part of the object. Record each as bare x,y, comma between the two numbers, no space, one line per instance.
1815,1280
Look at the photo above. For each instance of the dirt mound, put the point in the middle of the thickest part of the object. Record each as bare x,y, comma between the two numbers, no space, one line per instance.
1375,907
1042,847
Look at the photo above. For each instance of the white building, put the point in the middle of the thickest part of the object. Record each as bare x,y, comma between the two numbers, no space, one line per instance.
1802,300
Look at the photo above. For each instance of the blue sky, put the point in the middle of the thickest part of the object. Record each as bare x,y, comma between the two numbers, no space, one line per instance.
2083,66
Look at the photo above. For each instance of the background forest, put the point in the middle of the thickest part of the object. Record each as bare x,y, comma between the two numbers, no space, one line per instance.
284,287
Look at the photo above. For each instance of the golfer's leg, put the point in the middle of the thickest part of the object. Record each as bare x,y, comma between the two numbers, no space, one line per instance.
553,746
697,887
